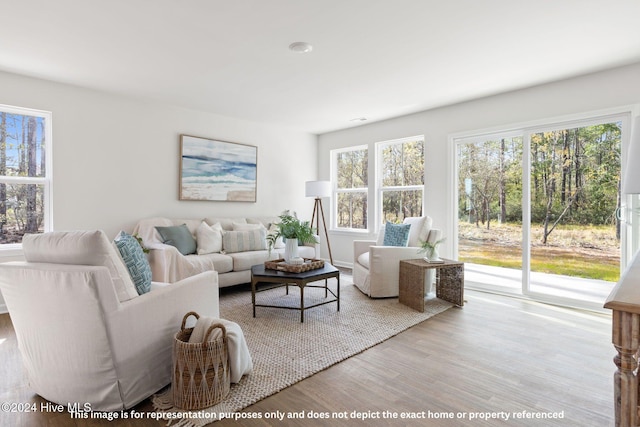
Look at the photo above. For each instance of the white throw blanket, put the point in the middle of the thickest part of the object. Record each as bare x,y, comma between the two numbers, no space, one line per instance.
240,362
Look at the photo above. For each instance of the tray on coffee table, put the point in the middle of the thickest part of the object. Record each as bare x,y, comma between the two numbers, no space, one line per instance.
281,265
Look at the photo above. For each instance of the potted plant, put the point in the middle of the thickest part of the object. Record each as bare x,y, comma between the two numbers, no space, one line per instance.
430,249
293,230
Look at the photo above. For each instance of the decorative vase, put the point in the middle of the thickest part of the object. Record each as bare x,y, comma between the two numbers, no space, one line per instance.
290,249
435,255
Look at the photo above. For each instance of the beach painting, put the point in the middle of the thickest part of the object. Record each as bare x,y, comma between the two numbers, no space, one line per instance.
217,170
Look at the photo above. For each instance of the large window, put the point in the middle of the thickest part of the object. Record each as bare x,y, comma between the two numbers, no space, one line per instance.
25,173
398,178
352,181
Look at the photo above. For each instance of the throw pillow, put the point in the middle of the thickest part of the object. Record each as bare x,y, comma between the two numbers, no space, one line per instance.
180,237
242,241
208,238
420,227
135,260
396,234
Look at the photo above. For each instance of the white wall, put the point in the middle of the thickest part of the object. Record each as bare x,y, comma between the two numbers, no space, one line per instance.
116,159
610,89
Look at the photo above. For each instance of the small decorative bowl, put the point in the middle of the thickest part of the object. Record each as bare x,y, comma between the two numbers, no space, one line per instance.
296,261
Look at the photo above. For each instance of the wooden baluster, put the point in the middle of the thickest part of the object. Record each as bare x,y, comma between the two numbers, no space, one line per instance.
626,336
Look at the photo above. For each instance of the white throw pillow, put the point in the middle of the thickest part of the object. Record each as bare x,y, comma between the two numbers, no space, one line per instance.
209,238
420,228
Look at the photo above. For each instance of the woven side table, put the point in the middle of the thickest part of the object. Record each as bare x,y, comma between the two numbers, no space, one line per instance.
449,282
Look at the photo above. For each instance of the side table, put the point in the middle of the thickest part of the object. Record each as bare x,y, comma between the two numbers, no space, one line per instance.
449,282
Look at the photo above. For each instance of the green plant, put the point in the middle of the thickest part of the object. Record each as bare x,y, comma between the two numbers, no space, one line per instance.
290,227
428,248
139,239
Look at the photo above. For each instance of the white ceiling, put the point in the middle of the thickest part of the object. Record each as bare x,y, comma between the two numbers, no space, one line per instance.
371,58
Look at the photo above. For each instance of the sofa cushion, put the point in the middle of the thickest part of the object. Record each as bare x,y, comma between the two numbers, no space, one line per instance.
419,231
226,223
80,248
135,260
396,234
363,260
242,241
180,237
244,260
219,262
208,238
267,221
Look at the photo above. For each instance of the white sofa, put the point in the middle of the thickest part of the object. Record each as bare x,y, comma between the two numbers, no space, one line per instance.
84,334
169,265
376,268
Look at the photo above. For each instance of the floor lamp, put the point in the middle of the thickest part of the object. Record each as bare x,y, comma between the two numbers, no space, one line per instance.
319,189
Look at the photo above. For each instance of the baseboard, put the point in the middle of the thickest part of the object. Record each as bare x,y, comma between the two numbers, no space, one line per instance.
348,265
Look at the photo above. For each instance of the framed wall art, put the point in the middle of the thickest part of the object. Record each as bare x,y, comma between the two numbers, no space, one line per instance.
217,170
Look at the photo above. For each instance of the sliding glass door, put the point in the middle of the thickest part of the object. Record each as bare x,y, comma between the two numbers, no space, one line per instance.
539,210
490,210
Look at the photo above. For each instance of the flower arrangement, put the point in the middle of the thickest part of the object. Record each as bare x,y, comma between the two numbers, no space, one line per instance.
430,249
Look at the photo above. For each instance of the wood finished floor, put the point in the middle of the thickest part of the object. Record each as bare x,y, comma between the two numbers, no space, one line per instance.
497,354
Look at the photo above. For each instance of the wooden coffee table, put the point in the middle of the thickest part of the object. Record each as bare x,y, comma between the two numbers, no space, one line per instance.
449,282
260,275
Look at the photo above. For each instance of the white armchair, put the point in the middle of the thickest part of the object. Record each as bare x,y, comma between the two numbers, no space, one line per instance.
376,267
84,334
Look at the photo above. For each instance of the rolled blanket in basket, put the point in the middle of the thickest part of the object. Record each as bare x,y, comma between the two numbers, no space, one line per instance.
240,362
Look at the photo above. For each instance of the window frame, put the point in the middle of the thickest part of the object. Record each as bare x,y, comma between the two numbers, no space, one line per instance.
374,189
335,191
11,249
380,188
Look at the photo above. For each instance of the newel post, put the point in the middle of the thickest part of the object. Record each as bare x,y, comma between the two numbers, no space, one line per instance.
625,337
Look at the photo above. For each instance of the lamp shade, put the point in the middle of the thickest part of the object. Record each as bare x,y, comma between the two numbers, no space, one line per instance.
631,183
318,188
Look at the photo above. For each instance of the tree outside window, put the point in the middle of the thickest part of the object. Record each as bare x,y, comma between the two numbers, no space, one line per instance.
401,178
352,181
24,175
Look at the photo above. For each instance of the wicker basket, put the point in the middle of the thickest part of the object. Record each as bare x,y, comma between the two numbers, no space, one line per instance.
309,264
201,376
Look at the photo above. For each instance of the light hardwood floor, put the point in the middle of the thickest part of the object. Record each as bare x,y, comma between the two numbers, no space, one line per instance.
496,355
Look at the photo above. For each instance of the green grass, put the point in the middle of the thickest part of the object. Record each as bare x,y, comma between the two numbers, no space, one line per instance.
590,252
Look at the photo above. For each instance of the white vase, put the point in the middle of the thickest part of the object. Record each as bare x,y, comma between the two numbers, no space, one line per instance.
290,249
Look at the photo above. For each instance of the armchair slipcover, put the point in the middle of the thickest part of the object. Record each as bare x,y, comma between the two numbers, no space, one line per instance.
376,267
83,335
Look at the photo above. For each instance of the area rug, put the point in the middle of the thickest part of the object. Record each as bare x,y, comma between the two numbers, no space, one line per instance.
285,351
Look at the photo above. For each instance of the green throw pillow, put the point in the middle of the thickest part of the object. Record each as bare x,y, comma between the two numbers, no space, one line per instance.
135,260
180,237
396,234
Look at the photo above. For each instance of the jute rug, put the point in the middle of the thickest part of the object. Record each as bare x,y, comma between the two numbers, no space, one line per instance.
285,351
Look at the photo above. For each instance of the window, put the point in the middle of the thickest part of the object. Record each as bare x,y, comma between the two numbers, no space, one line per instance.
351,189
398,183
25,173
400,178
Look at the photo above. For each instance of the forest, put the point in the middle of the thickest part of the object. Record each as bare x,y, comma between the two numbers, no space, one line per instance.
574,184
401,183
22,154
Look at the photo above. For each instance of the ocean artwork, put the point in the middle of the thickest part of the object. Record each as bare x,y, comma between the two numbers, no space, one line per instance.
217,170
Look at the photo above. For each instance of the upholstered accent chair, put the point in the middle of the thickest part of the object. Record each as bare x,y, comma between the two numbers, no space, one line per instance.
84,332
376,267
